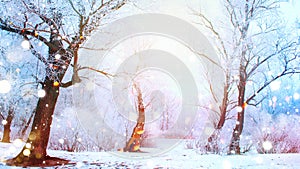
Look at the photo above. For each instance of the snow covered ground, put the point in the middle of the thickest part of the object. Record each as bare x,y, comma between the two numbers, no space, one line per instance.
175,157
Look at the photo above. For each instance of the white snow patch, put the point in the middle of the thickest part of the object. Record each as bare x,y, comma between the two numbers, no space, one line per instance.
175,158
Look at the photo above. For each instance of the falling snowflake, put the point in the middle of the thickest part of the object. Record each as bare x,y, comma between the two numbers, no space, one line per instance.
61,141
28,145
25,44
5,86
26,152
41,93
4,122
296,96
275,85
239,109
267,145
57,56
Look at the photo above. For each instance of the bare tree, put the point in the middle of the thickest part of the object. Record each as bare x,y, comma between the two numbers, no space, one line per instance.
49,24
257,45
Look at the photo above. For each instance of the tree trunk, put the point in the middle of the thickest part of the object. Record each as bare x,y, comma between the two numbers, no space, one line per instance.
234,147
7,130
34,152
212,141
133,144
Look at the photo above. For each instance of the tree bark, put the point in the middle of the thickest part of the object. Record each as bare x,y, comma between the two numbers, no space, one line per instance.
133,144
234,147
34,152
212,141
7,126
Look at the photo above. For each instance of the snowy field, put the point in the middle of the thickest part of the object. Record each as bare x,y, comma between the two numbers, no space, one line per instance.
176,157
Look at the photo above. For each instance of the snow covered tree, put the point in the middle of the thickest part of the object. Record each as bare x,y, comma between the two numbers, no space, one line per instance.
255,43
54,31
274,133
264,45
18,85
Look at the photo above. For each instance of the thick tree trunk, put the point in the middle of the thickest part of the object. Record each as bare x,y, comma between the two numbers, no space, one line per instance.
133,144
7,126
34,152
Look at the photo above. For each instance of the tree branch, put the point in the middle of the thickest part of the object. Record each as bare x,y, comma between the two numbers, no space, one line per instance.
269,57
284,73
24,32
96,70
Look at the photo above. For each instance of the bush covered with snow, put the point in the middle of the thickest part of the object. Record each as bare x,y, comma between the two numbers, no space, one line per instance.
276,134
